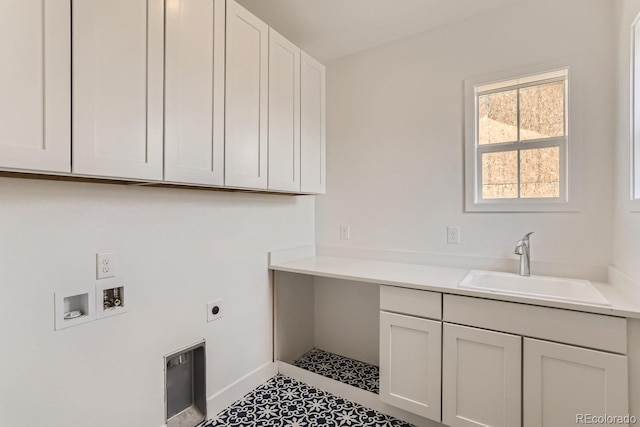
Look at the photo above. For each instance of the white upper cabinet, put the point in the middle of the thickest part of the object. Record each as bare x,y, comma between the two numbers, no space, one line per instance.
118,88
312,136
182,91
284,114
34,85
247,86
194,92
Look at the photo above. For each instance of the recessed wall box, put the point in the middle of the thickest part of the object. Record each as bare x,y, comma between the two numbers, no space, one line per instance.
74,307
185,386
111,298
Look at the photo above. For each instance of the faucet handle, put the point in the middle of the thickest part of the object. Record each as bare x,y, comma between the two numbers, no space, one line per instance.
524,242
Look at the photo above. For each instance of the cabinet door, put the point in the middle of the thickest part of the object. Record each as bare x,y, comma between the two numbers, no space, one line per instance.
481,378
35,112
410,368
284,114
247,88
118,88
312,125
562,382
194,92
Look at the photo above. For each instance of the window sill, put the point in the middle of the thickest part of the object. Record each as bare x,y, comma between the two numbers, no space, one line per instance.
523,206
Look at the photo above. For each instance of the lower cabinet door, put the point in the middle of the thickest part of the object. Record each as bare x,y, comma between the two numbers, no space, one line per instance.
566,386
410,364
481,378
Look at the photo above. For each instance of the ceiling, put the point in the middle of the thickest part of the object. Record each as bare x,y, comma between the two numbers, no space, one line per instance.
329,29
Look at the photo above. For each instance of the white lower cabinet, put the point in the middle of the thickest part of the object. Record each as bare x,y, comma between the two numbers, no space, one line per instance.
498,364
565,384
481,381
410,363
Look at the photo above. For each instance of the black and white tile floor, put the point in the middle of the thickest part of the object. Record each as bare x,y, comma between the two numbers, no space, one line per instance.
285,402
340,368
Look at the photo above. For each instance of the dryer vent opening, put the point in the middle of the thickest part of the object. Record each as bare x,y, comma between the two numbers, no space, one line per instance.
185,387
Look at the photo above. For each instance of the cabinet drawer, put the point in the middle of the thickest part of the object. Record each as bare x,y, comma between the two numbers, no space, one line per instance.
411,301
572,327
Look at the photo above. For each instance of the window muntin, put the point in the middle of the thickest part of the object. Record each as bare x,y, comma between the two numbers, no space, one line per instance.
520,138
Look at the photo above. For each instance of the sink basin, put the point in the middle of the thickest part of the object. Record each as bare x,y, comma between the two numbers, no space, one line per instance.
553,288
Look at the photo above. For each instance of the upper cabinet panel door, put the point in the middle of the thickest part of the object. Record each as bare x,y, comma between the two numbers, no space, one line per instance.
35,50
118,88
312,122
284,114
563,383
194,92
247,88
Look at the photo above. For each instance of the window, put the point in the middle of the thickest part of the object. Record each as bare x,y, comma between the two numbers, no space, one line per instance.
517,143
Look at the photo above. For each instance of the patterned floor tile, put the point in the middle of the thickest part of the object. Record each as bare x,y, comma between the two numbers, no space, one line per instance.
285,402
340,368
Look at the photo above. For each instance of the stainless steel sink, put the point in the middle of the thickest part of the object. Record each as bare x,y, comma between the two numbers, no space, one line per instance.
553,288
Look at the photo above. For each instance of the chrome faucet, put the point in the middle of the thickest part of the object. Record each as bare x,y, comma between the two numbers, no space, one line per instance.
522,249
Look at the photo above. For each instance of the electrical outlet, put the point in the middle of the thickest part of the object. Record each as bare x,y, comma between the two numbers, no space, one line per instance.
214,310
453,235
105,265
345,232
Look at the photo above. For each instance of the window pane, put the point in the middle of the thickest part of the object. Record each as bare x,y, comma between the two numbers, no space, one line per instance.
542,111
498,117
540,172
500,175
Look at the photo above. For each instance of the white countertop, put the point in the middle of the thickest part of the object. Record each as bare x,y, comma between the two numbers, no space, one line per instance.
625,302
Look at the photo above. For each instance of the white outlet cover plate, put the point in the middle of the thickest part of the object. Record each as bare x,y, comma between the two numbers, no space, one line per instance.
345,232
453,235
105,265
210,316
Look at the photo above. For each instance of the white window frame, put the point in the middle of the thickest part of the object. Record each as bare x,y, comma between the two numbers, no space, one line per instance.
569,144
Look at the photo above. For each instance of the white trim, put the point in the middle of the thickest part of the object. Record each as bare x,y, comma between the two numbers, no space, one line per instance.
634,137
535,78
292,254
225,397
570,200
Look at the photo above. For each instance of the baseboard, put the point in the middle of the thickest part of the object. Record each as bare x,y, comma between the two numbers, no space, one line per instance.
225,397
354,394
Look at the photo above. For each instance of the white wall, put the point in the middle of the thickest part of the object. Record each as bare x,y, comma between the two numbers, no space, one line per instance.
395,135
346,318
395,141
295,309
178,250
